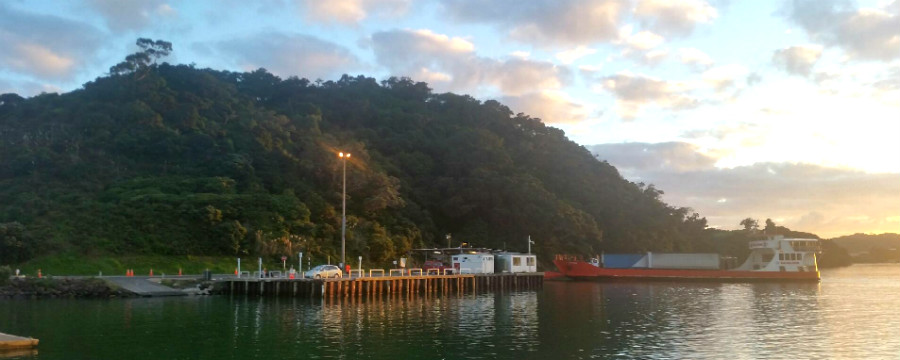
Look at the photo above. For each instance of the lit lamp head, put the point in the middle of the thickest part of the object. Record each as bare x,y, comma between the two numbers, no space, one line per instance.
341,154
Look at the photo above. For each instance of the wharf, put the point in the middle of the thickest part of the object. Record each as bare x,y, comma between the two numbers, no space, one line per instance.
16,342
381,286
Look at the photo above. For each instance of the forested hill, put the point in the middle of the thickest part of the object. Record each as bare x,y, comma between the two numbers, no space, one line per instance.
180,160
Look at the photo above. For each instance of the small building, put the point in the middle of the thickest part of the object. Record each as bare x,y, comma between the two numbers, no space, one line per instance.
478,263
515,263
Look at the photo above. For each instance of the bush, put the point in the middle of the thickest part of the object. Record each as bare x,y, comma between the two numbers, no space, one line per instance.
5,273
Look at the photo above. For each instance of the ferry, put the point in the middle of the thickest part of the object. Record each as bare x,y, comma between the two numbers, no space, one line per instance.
773,259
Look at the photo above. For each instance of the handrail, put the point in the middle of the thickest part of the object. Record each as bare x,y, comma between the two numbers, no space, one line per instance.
359,273
372,271
391,273
429,271
414,270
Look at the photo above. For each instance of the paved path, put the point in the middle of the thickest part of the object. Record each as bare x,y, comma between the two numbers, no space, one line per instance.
142,286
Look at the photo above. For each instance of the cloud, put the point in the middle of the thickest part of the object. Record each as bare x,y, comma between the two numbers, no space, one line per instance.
644,40
695,58
131,15
545,23
826,201
635,91
746,134
890,80
553,107
26,88
797,60
668,156
865,33
725,77
647,58
569,56
417,53
45,46
291,55
674,17
350,12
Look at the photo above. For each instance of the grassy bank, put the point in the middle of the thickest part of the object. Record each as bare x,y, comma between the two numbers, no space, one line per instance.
75,264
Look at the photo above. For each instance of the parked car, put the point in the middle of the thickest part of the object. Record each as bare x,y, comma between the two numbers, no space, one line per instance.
438,265
325,271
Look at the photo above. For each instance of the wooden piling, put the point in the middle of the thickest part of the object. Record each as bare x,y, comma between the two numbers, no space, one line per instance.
356,289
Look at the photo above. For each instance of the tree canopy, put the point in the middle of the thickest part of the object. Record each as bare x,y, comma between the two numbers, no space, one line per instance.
181,160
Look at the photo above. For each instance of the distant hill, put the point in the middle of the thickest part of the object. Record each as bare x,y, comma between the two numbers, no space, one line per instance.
871,248
170,159
173,160
858,243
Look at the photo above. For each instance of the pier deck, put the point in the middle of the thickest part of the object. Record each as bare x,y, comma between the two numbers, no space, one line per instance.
378,286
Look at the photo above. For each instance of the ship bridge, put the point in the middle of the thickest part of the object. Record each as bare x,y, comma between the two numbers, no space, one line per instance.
778,253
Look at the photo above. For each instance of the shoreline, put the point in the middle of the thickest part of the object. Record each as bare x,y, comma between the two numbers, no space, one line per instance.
49,288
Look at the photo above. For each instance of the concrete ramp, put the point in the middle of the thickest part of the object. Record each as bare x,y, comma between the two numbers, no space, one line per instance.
142,286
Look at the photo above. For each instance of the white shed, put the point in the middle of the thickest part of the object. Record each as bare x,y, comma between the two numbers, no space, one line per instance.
474,263
516,263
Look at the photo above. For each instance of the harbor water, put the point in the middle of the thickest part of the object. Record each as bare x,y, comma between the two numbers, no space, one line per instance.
853,313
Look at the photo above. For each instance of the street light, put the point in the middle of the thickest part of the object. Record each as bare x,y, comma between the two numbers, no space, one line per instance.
344,158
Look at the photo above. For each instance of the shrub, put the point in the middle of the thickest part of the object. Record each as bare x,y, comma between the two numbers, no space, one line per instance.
5,273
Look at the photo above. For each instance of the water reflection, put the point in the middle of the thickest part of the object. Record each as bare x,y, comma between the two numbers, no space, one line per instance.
850,314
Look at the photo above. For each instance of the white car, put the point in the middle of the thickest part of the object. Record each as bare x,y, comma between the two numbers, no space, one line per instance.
325,271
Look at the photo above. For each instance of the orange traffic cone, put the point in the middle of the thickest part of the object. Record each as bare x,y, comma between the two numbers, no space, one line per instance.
235,271
151,272
39,274
179,271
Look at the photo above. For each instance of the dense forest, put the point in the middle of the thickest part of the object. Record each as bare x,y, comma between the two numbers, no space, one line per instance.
172,159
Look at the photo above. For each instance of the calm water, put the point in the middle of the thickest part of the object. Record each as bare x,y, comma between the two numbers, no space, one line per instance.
854,313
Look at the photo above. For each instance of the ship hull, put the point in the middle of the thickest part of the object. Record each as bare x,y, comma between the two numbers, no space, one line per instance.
580,270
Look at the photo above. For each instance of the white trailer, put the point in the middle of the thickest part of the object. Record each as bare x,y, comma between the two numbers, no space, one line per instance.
515,263
704,261
474,263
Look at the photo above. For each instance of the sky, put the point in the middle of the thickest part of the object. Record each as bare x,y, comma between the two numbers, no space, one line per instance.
788,110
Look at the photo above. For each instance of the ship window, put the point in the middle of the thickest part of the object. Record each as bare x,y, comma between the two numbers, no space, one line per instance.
529,261
781,268
517,261
780,256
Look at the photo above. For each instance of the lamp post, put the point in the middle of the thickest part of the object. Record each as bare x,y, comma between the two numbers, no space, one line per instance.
344,158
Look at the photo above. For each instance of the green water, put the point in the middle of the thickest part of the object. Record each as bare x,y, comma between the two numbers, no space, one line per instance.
852,313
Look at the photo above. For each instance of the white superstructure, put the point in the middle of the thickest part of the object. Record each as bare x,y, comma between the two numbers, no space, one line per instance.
779,254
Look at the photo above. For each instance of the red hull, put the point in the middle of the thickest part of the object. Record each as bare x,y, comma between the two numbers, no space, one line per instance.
584,271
